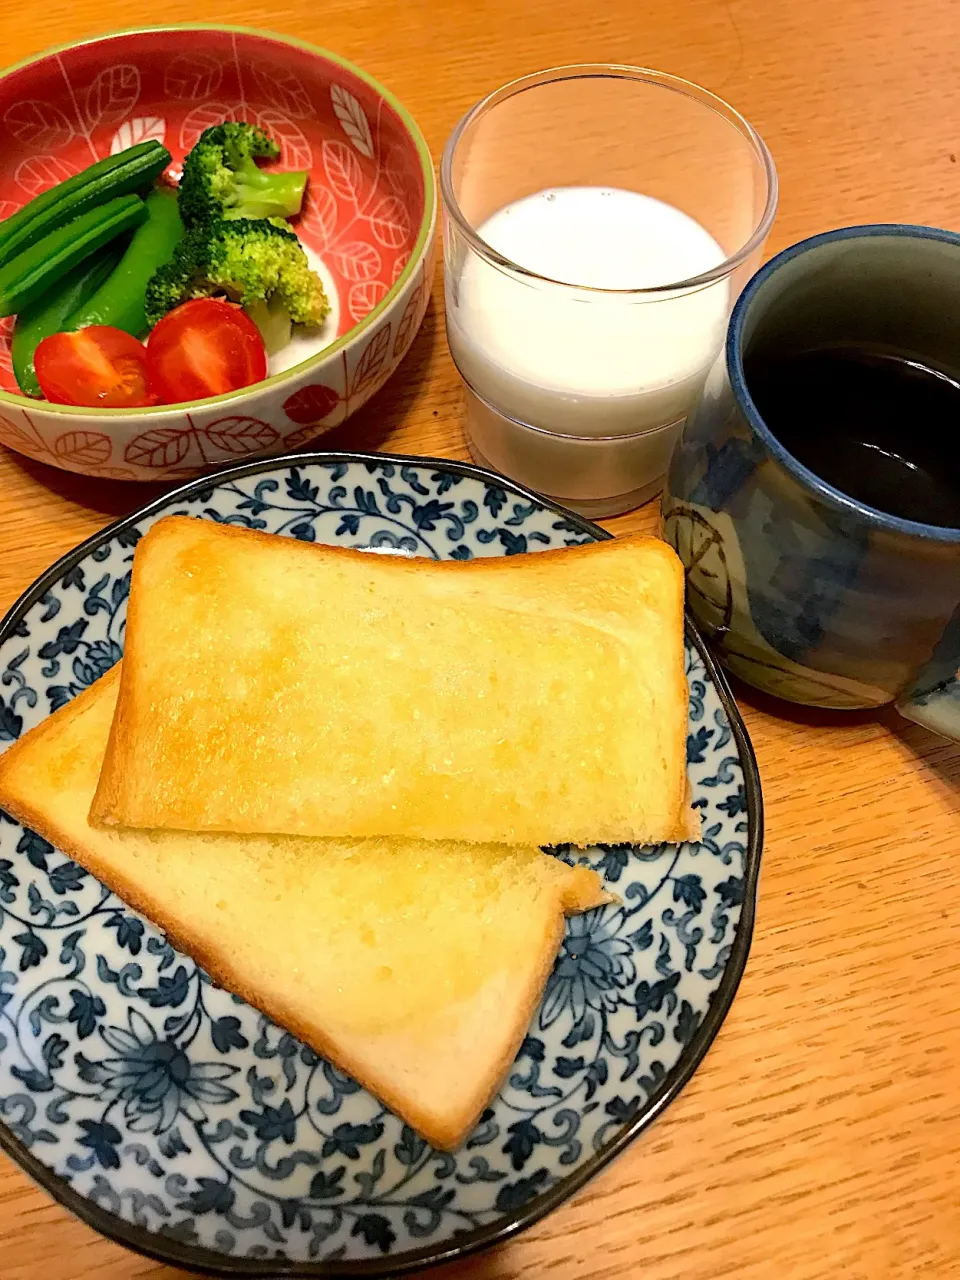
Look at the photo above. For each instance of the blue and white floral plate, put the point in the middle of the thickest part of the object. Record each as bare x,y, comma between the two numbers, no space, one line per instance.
176,1119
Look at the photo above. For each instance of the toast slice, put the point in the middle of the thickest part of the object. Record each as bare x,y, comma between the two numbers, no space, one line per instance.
414,968
277,686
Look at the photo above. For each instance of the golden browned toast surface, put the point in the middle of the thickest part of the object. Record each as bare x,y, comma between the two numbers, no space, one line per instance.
275,686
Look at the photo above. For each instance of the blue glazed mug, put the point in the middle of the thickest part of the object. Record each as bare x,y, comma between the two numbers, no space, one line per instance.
807,593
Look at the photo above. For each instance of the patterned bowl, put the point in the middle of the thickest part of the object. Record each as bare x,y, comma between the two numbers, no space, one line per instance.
370,215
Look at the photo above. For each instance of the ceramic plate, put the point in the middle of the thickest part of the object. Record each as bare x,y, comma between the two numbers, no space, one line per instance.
176,1119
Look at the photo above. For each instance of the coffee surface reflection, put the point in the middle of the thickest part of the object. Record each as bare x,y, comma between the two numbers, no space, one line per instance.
879,426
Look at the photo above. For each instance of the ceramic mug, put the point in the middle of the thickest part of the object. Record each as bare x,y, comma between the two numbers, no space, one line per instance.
806,592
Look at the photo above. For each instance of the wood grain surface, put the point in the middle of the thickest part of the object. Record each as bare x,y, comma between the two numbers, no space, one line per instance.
821,1137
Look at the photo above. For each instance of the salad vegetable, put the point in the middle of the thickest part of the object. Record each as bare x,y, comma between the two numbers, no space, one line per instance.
49,314
213,269
130,171
120,300
249,260
204,348
221,178
25,278
98,366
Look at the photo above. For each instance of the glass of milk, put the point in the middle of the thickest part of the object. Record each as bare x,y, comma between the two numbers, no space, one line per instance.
599,222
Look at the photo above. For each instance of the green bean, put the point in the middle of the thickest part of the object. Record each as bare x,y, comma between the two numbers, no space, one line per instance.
119,300
30,274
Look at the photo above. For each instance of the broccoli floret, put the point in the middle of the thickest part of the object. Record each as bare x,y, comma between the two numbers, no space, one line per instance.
221,178
250,261
273,321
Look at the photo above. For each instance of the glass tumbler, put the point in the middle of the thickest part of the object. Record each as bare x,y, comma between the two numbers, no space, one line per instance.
599,222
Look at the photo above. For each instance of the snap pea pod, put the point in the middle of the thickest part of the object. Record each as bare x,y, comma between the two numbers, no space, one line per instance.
128,171
24,279
48,313
119,300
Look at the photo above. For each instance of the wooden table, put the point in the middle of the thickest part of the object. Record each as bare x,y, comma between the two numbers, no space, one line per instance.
821,1137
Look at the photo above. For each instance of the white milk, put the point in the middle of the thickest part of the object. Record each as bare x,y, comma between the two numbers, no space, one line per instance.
580,363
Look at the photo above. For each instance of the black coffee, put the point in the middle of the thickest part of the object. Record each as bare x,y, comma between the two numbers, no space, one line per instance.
881,427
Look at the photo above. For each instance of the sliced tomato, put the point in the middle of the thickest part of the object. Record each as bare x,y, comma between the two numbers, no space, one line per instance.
204,348
99,366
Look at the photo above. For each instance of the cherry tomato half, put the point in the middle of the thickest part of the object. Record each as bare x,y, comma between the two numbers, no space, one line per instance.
204,348
98,366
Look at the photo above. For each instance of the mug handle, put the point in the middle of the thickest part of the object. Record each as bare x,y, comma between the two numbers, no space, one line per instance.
934,700
937,709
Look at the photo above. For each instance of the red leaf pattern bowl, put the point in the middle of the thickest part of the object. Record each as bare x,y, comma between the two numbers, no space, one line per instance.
369,216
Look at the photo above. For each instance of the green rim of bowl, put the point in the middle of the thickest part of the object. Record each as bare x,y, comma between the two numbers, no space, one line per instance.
416,254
